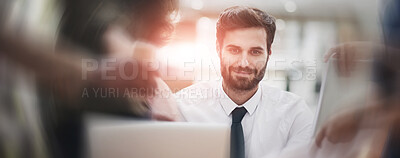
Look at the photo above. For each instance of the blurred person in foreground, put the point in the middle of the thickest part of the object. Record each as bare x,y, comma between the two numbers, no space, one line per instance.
264,120
95,31
381,114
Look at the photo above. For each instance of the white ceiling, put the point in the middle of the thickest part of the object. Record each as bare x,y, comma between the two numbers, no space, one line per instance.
305,8
363,12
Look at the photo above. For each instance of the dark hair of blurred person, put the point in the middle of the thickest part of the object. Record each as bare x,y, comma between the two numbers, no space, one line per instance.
387,72
388,63
84,22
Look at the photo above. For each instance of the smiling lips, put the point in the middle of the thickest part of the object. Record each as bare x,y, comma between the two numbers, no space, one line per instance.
242,73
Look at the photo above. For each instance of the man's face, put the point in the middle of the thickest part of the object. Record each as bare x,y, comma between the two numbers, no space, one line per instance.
244,57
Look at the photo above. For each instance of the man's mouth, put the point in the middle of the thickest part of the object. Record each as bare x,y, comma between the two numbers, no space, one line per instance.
242,72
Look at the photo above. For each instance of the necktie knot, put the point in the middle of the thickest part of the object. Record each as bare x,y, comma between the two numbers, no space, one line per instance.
238,114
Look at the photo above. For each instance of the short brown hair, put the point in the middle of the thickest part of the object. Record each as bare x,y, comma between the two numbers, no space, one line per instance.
244,17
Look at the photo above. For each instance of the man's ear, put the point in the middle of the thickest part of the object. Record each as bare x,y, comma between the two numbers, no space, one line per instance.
269,52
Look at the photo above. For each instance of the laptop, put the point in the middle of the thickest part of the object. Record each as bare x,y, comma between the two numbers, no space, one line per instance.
340,92
111,138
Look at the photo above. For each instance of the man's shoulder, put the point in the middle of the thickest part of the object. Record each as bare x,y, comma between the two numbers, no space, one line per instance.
281,98
283,102
277,93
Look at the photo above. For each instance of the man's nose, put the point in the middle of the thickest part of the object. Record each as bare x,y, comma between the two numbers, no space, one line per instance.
243,60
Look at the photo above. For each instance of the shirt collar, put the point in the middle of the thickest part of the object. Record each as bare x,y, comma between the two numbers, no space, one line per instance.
228,105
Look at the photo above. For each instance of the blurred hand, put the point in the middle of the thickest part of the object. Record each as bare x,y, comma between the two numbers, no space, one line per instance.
134,58
133,64
157,93
340,128
163,104
348,53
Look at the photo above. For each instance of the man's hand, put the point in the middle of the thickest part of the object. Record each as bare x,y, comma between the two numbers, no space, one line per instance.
340,128
348,53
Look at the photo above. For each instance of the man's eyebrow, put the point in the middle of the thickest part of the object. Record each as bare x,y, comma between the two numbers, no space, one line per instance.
257,48
231,45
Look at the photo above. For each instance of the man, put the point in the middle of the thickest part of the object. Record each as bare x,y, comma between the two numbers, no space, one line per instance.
265,120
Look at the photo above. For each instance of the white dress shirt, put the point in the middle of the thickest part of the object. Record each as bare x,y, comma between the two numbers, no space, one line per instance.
275,119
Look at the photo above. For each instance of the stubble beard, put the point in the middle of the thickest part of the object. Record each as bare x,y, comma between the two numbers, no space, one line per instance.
242,83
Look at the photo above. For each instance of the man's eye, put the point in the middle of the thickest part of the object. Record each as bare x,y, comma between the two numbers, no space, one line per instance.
233,50
256,52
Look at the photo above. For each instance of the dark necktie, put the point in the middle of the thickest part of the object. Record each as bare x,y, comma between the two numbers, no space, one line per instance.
237,137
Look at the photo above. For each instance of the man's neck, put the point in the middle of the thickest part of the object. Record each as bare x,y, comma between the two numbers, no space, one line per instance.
239,96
